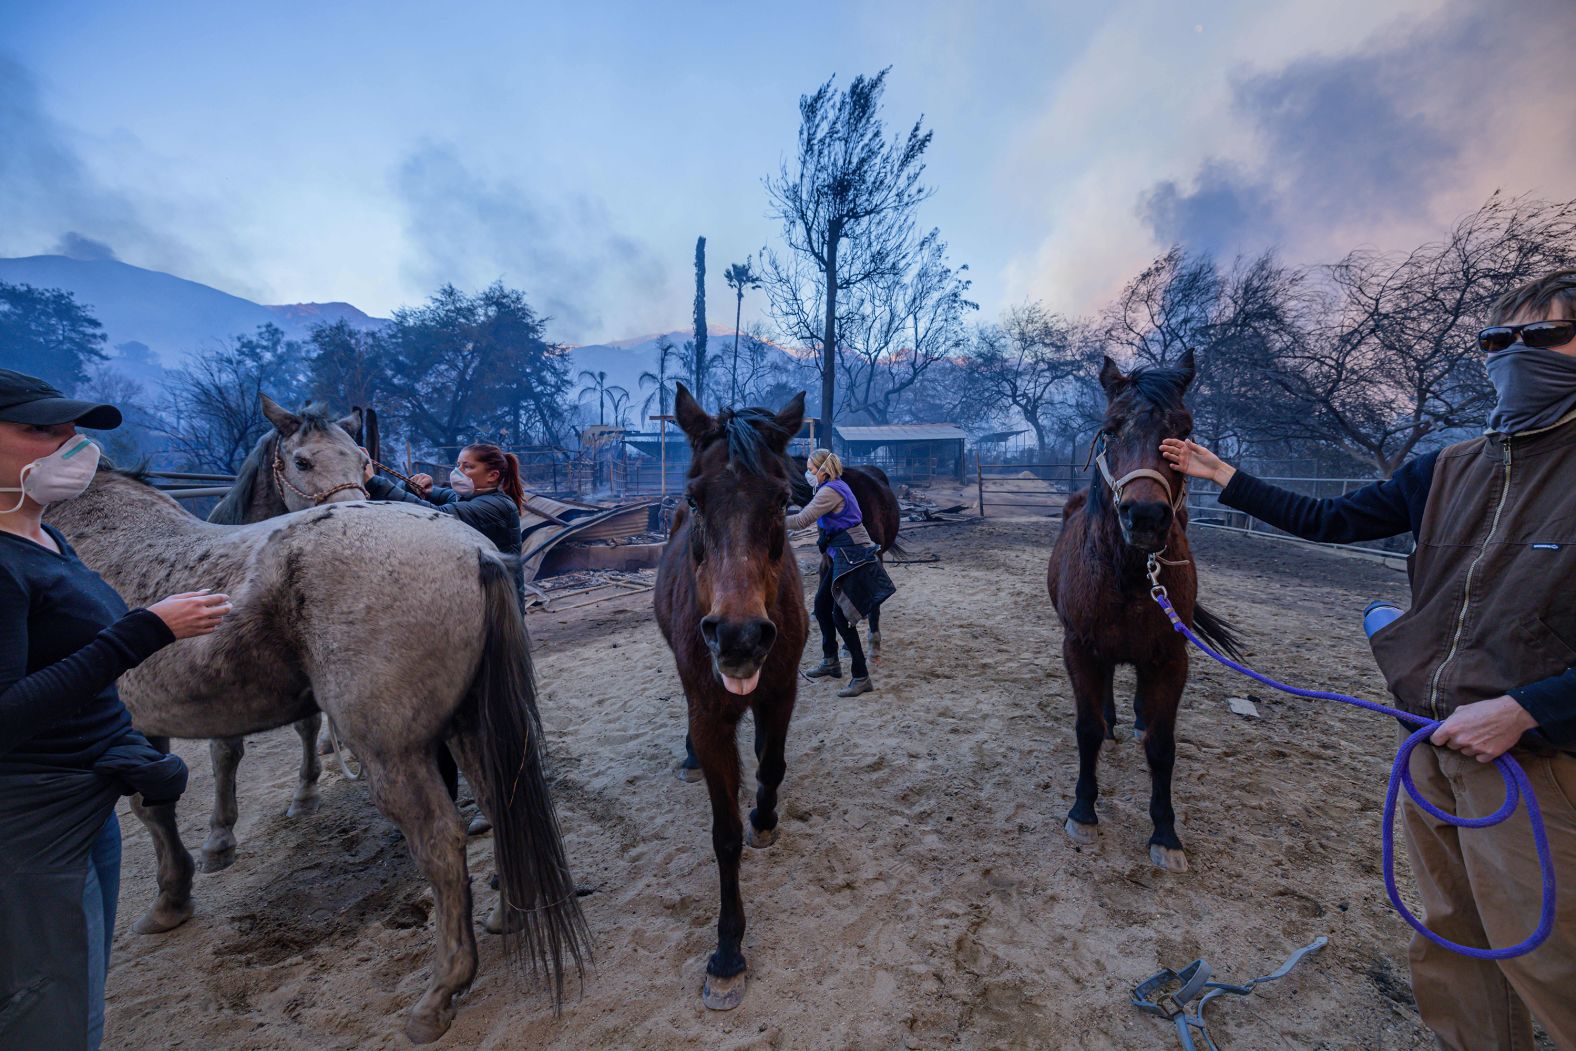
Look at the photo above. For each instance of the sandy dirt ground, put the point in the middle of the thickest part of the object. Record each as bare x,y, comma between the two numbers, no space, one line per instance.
922,895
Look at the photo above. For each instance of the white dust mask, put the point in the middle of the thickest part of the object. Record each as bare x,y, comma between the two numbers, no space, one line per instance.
809,476
62,474
461,484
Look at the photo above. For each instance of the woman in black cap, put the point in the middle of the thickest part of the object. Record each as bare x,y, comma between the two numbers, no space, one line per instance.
67,748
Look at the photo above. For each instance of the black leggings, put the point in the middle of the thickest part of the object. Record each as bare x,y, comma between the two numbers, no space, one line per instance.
829,617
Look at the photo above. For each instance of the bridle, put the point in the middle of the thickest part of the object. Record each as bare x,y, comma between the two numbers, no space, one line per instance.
316,498
1097,450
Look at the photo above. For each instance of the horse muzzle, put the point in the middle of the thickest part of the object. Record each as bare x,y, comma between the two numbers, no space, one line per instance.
738,649
1145,524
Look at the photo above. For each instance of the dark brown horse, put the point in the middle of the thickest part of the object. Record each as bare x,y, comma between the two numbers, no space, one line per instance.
730,603
882,514
1132,519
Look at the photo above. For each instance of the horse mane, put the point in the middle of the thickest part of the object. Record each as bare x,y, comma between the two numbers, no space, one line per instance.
746,431
1161,386
236,505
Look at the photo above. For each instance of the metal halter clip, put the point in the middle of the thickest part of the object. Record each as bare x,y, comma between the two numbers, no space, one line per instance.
1156,589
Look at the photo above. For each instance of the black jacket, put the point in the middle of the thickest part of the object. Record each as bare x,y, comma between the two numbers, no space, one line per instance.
67,753
493,514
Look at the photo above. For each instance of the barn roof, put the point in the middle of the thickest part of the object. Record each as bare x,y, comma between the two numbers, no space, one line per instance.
903,432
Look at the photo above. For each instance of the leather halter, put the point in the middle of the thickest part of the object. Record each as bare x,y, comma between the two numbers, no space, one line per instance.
316,498
1176,499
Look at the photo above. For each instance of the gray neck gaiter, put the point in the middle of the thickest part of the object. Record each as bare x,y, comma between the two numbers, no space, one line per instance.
1536,388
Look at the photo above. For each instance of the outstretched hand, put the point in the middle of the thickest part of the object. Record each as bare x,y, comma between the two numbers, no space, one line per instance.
423,483
1195,461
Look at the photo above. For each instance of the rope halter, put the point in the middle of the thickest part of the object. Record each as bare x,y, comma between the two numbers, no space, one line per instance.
316,498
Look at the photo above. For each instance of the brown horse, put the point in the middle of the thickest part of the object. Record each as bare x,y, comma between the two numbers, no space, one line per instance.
730,604
1132,520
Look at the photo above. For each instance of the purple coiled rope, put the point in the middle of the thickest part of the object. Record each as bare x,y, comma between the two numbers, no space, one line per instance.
1517,789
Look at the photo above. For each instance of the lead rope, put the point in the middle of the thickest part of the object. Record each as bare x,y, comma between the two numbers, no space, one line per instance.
1517,789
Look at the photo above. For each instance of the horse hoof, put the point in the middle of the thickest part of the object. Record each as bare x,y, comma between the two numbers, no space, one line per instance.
1168,858
304,807
162,918
724,994
689,774
478,825
760,839
217,859
424,1029
1081,834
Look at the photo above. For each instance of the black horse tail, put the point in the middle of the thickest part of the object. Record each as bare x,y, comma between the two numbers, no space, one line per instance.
542,918
1217,632
895,549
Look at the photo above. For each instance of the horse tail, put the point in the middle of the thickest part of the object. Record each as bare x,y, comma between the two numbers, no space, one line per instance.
542,918
895,549
1217,632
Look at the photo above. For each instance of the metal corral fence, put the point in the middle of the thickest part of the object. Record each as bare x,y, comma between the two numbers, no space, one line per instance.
1204,509
188,485
1027,488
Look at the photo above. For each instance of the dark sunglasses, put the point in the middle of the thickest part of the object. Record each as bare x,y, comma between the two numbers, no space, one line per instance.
1541,334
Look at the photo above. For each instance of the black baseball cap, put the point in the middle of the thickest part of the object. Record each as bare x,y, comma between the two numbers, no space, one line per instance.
28,399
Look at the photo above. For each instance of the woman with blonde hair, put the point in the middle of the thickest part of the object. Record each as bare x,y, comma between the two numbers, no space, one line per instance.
853,581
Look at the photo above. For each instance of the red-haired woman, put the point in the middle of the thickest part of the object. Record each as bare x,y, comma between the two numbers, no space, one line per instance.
484,492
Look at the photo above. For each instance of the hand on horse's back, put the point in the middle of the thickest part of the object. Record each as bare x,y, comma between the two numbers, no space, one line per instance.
192,613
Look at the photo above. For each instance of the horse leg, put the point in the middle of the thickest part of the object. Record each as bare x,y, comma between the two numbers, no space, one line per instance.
1108,703
771,735
174,904
716,745
1159,693
875,634
409,791
218,850
1090,679
306,799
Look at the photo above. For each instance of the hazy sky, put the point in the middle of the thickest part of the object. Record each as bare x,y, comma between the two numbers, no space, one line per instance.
370,152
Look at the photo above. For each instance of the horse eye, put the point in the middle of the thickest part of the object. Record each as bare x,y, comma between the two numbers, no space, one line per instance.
692,504
302,465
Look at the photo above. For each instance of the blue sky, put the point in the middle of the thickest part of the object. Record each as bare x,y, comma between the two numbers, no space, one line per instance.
368,153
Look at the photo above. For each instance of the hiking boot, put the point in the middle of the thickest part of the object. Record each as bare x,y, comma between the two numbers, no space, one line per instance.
856,687
829,667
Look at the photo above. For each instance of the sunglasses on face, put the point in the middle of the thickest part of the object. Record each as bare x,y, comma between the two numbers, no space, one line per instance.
1543,335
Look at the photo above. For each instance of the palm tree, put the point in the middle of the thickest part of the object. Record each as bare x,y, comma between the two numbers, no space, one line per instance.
618,397
740,276
658,380
596,383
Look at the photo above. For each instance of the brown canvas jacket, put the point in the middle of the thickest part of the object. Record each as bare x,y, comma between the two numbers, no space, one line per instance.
1493,575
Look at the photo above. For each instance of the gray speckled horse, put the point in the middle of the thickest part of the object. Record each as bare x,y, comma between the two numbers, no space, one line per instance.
403,662
305,461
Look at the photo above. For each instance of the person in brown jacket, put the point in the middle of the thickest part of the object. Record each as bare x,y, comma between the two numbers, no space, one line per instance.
1488,648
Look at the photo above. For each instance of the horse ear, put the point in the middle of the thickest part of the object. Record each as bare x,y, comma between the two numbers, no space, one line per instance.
790,418
1110,375
351,424
284,421
1188,367
695,421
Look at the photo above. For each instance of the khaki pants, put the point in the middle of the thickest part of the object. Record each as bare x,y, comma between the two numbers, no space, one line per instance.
1481,887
